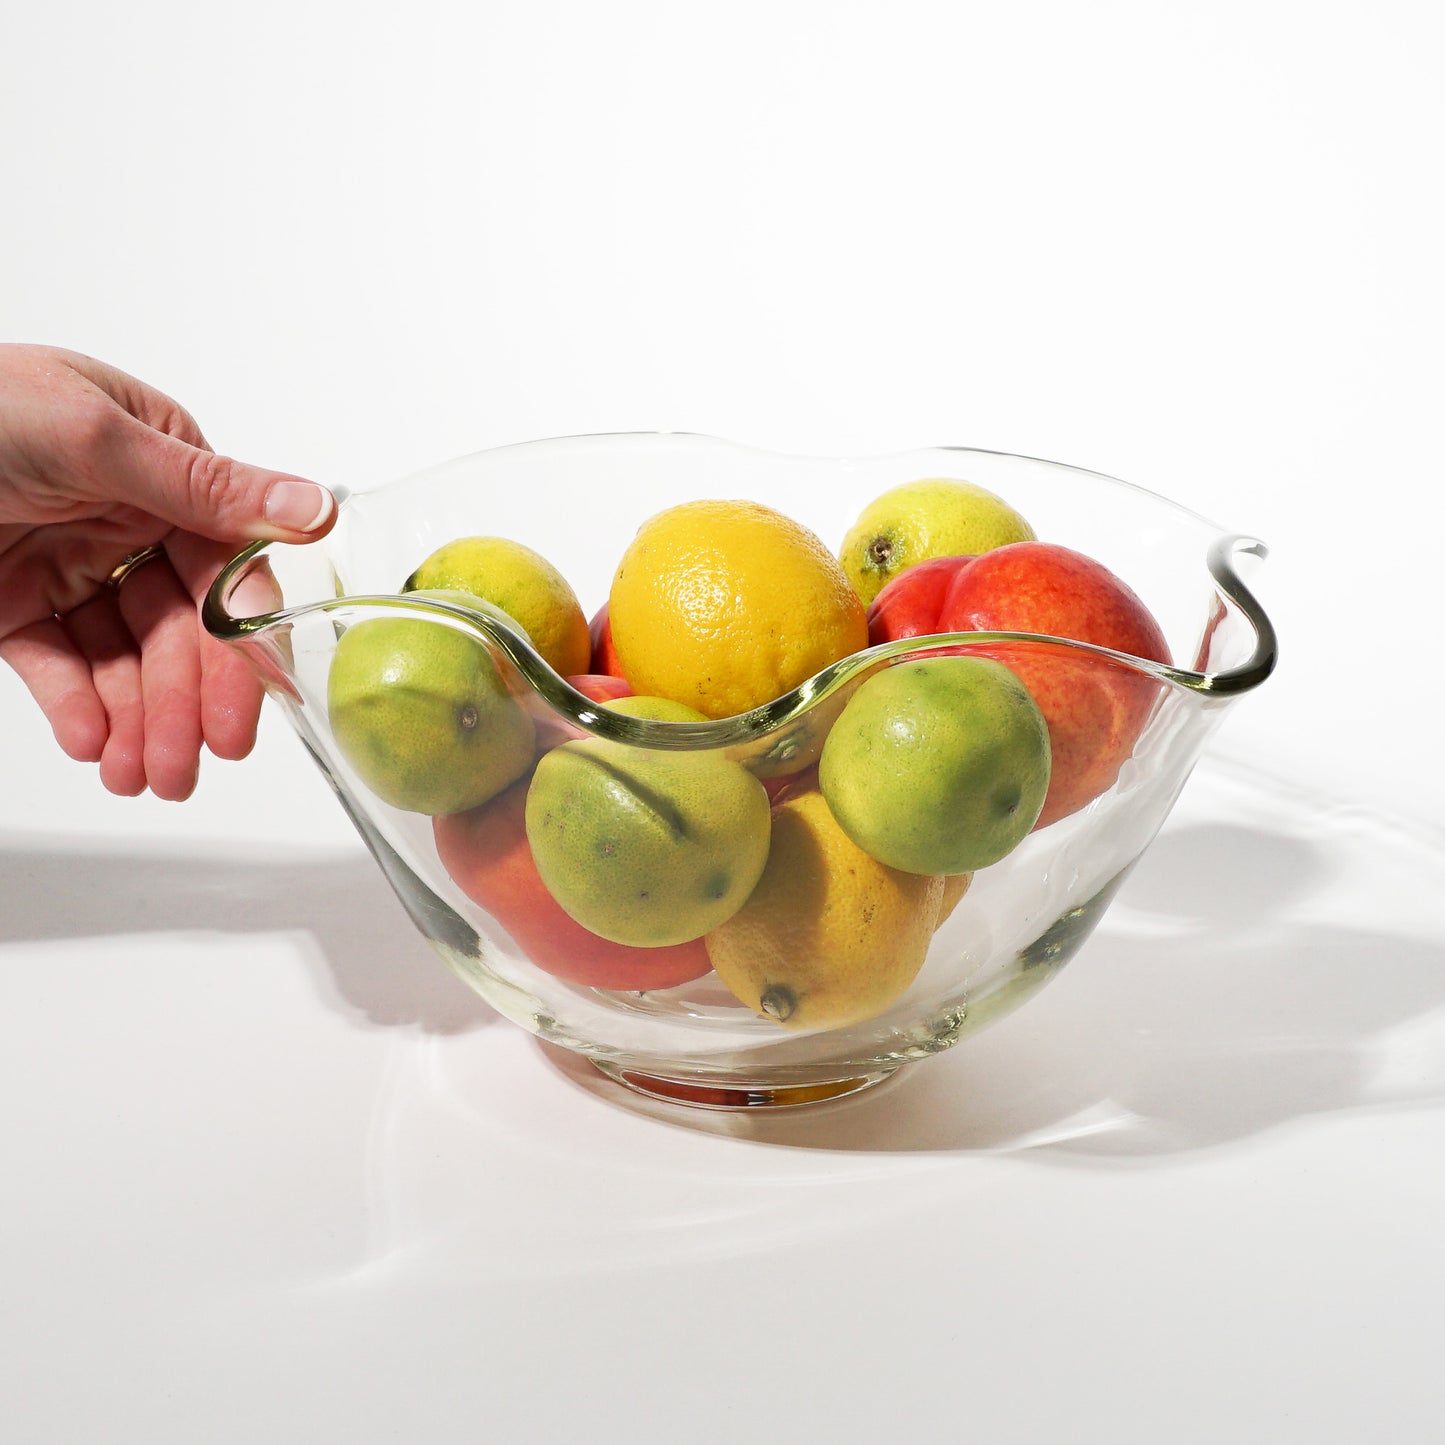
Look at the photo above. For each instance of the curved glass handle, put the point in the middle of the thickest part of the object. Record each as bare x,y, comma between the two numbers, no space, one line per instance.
1234,592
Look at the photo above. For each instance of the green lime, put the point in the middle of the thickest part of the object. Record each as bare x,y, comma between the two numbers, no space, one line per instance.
938,765
422,713
646,847
659,709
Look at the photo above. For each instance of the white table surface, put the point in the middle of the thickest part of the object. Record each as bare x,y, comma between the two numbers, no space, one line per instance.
269,1173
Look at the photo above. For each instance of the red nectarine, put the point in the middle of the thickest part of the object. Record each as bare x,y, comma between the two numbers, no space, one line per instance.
1095,708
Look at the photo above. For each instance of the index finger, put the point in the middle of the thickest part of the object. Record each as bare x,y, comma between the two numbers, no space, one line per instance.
231,692
140,399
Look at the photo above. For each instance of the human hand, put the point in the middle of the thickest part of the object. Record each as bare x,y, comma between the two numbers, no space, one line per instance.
94,467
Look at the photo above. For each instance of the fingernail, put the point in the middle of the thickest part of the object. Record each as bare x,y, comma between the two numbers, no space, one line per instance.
298,506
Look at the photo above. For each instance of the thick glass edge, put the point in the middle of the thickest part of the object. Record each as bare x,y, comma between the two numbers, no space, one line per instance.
748,727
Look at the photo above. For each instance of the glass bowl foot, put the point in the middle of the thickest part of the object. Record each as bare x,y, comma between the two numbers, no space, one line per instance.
713,1094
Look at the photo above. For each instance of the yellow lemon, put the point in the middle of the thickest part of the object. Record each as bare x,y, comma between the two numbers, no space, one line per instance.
829,936
725,605
955,885
934,517
524,584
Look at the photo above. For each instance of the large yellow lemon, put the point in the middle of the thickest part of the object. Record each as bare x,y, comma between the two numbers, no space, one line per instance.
725,605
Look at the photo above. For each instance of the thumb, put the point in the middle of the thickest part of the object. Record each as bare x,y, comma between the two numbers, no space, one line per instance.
216,496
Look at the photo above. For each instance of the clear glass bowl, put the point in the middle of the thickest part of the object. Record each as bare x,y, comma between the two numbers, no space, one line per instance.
1020,920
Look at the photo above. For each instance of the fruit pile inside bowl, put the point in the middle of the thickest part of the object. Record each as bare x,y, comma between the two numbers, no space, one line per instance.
752,777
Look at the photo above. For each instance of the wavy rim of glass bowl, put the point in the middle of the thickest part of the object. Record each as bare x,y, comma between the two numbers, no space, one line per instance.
748,727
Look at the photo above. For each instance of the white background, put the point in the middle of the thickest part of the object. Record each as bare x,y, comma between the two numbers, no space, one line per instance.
271,1175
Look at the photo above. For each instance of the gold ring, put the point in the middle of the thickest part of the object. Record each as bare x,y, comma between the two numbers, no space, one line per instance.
136,559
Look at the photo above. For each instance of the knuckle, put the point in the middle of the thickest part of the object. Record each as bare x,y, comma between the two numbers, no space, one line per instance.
95,425
212,480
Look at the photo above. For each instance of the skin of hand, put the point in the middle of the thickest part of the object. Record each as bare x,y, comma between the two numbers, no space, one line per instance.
94,466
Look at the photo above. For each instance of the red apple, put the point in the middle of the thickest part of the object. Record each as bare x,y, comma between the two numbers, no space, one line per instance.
1095,709
912,602
487,855
604,655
